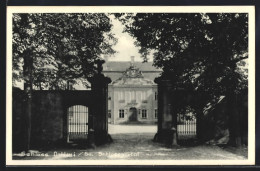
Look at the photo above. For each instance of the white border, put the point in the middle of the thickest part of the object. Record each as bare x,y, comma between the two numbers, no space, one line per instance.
133,9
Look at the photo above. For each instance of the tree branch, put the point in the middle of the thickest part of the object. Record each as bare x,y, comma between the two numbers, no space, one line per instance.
239,59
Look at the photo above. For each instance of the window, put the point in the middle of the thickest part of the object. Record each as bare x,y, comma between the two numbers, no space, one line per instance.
121,95
155,113
155,95
127,96
144,113
132,95
144,101
121,113
121,101
143,95
109,113
138,96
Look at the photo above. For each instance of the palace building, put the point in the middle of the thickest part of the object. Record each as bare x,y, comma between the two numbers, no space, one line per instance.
132,94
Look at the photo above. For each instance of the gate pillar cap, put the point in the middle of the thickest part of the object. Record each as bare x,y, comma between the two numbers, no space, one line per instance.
173,128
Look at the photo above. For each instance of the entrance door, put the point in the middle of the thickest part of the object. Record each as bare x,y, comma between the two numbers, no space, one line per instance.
77,122
133,114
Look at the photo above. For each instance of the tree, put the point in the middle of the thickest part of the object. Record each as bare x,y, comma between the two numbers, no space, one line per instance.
51,49
62,46
197,51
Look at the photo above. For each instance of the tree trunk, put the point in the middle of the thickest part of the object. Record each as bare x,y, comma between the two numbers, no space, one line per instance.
27,71
199,124
40,84
235,137
235,121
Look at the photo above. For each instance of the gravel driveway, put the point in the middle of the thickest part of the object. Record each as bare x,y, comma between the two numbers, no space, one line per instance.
135,143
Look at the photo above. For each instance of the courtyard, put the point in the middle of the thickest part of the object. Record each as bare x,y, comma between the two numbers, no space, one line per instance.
134,142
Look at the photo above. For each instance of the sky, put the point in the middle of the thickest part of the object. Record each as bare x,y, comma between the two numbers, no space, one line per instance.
125,46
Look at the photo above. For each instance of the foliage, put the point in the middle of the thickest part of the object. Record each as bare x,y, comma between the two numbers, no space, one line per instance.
197,51
63,47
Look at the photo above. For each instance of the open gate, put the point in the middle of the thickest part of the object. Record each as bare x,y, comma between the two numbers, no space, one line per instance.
77,122
186,126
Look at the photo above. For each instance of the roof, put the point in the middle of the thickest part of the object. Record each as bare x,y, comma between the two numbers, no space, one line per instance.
115,69
122,65
132,76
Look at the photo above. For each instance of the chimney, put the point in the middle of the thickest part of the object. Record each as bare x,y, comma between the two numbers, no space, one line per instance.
132,59
106,58
105,67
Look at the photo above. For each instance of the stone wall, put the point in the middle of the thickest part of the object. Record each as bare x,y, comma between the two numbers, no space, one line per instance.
18,120
49,114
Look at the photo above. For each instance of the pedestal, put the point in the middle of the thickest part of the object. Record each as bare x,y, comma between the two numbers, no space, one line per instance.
167,117
98,114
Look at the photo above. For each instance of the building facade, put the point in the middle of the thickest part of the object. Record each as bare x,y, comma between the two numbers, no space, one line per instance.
132,94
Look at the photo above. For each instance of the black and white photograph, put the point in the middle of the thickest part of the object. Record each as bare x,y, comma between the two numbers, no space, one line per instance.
122,85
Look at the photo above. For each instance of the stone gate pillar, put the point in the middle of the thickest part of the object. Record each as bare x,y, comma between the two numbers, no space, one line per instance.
167,117
98,115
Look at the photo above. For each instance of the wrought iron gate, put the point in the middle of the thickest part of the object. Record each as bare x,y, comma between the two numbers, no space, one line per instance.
186,126
77,122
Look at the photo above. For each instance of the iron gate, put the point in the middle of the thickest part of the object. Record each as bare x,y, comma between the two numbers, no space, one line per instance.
77,122
186,126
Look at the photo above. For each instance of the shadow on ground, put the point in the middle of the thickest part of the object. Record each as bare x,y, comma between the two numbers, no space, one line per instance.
133,146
